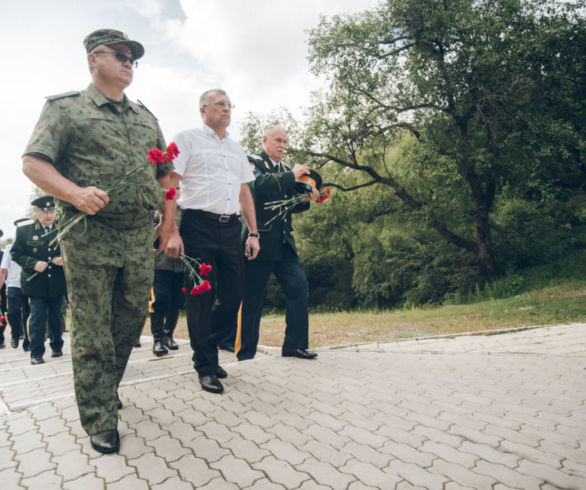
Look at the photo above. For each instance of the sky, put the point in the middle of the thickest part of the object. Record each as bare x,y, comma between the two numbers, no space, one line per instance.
256,50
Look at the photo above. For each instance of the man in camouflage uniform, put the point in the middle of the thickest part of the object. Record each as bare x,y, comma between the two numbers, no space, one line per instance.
2,305
42,280
83,145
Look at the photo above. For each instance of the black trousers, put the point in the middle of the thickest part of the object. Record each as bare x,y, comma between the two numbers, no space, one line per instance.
211,314
290,275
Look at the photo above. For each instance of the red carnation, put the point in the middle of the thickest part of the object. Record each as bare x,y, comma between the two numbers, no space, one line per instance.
170,194
205,286
155,156
323,195
183,289
205,269
172,152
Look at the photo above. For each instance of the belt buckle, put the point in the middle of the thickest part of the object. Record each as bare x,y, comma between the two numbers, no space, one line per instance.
224,218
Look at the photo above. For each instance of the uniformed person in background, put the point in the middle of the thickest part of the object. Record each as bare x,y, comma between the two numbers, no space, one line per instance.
3,308
18,308
83,144
42,279
278,254
167,300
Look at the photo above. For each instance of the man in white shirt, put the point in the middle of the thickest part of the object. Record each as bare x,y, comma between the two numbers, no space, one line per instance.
215,172
18,309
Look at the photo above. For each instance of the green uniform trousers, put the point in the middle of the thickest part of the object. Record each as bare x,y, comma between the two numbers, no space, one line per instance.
109,274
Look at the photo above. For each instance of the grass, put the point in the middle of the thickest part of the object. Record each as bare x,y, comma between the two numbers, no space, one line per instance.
550,305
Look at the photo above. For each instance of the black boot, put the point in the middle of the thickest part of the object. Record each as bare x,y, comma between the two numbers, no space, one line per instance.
158,332
170,324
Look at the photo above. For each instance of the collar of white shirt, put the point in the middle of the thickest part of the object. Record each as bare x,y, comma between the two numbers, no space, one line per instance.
210,132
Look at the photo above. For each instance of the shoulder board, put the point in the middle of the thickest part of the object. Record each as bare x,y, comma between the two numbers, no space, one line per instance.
140,104
73,93
286,167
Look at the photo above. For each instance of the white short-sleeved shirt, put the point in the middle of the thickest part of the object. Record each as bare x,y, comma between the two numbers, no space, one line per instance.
212,170
14,270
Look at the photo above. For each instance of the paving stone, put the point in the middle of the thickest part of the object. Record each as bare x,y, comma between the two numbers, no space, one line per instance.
173,484
195,470
550,475
280,471
35,462
265,484
72,465
312,485
461,475
207,449
325,474
416,475
244,449
285,451
152,468
531,454
370,474
407,453
61,443
47,479
497,456
87,482
449,454
10,478
328,453
168,448
132,446
236,470
129,482
148,430
507,476
219,484
111,468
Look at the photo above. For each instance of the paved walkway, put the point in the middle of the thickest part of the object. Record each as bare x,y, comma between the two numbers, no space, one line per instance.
499,411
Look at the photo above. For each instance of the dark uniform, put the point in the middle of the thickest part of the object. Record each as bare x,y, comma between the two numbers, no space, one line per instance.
45,290
2,305
108,257
166,302
278,255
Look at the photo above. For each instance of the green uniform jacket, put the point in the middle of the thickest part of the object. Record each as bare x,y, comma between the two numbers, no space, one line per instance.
30,247
272,185
92,143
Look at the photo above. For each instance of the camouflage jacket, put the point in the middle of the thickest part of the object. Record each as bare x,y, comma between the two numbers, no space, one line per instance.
92,143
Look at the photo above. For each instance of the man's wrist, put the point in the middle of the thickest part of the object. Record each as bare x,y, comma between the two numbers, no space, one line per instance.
253,235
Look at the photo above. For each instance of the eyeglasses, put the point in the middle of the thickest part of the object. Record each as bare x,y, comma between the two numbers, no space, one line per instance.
120,56
221,105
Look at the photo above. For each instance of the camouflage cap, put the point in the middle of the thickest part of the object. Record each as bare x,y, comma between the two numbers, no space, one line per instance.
112,36
45,203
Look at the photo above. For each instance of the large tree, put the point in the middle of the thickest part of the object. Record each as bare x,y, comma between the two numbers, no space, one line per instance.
452,83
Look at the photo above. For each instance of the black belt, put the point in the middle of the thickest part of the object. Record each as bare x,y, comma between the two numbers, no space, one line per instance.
221,218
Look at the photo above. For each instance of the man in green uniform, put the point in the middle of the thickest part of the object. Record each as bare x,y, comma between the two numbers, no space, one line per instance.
42,279
89,149
278,253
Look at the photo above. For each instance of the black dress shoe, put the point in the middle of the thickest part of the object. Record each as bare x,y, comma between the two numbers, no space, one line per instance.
57,353
300,353
26,346
118,401
106,442
170,343
2,345
14,342
221,372
211,383
229,348
37,360
159,348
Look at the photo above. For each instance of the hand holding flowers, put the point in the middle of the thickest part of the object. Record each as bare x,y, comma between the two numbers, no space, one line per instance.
285,205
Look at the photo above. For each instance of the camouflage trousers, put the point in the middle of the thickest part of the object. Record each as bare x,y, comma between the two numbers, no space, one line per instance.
109,274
